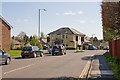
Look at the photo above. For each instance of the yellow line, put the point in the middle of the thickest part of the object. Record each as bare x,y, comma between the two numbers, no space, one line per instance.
85,69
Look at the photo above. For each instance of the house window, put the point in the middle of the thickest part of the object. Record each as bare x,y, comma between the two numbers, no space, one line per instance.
76,38
62,36
82,39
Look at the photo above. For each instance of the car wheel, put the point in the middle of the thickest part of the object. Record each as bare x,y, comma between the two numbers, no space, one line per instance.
62,53
41,54
65,53
7,61
23,56
52,54
49,52
34,55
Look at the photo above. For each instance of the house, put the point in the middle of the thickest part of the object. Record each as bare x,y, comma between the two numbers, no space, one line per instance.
15,44
67,36
5,34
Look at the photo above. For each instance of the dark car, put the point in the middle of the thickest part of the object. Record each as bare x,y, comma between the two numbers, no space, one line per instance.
31,51
91,47
58,50
4,57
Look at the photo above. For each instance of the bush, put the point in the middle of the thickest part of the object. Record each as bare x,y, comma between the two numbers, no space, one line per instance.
114,64
111,59
39,45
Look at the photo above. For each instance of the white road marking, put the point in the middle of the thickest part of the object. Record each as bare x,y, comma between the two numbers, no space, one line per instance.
22,67
18,69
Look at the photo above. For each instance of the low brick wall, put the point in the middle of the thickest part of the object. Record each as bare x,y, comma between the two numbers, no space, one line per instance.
115,48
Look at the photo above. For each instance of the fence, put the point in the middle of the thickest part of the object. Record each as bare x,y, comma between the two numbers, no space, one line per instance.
114,48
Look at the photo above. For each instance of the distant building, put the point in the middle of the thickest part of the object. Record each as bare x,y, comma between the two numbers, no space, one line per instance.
68,36
5,34
15,44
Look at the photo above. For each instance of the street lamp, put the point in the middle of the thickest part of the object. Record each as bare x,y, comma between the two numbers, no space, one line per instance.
39,27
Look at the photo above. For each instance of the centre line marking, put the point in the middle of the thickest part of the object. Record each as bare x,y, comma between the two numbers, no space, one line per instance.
18,69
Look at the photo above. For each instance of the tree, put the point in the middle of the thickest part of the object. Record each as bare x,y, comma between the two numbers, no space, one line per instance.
34,41
111,20
42,35
25,38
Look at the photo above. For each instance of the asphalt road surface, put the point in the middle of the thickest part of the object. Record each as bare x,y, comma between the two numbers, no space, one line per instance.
48,66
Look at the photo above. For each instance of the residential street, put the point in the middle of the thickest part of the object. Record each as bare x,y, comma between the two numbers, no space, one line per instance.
48,66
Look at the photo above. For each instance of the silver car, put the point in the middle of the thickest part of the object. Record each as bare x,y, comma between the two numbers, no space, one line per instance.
4,57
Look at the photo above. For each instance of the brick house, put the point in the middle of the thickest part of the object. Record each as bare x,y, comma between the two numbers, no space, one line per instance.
5,34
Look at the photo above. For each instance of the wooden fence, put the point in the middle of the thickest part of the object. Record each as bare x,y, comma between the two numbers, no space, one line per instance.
114,48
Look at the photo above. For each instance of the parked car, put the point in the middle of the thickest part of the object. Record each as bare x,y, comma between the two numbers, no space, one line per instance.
45,47
31,51
91,47
4,57
58,50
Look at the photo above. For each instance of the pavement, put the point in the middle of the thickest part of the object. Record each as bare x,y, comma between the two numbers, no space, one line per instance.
99,69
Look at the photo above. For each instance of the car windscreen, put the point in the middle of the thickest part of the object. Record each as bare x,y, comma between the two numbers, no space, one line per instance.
27,49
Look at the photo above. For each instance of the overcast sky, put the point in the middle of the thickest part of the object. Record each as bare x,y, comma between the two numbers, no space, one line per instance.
83,16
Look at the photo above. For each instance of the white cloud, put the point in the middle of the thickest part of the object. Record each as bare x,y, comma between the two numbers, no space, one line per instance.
26,20
82,21
80,12
57,14
69,13
92,21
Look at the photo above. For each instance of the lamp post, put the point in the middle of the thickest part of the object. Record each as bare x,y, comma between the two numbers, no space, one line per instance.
39,27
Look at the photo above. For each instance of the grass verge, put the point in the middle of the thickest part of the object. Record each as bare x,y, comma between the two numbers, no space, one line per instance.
14,52
113,64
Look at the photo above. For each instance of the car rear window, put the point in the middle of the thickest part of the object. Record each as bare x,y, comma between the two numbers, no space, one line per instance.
27,49
55,47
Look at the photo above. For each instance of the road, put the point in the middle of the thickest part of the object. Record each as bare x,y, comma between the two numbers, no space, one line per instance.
48,66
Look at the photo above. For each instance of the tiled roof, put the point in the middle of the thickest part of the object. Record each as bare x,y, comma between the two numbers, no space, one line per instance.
67,30
15,42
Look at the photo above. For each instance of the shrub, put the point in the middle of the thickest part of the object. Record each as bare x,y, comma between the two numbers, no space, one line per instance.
114,64
39,45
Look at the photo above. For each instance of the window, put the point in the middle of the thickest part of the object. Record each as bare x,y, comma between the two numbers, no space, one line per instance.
82,39
62,36
76,38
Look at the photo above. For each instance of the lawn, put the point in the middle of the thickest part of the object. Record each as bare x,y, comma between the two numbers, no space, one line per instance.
15,52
